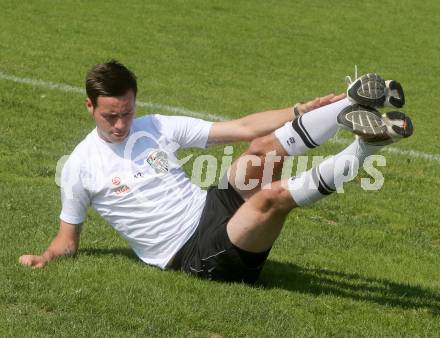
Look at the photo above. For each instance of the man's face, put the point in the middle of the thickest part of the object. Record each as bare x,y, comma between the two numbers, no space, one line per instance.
113,116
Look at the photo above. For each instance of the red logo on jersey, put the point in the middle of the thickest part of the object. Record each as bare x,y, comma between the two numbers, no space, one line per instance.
116,180
122,190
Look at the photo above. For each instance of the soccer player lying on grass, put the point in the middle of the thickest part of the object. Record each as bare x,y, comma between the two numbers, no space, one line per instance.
125,170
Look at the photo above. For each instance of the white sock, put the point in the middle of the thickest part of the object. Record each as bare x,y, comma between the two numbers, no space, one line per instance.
329,175
311,129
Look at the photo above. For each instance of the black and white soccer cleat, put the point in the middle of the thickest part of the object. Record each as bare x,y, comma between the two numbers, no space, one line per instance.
395,96
399,126
373,91
362,121
368,90
373,128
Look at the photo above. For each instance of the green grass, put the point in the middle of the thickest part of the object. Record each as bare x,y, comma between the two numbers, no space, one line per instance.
357,264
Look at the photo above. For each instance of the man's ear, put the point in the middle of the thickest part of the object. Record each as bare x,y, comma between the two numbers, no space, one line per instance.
89,105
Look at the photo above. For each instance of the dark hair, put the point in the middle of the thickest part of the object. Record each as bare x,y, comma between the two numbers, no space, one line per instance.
109,79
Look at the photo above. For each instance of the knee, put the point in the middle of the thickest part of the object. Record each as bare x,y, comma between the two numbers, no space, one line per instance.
260,146
276,198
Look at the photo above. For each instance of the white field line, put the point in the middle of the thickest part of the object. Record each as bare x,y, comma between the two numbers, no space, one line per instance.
203,115
73,89
393,150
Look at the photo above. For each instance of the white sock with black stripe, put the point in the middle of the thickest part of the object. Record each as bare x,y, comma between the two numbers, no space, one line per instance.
311,129
329,175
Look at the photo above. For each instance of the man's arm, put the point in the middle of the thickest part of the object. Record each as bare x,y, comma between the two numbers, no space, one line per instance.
65,243
260,124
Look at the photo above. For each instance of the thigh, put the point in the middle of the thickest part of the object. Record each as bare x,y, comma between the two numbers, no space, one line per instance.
259,221
211,254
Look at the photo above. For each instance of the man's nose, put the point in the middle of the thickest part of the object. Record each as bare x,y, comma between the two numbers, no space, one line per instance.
120,124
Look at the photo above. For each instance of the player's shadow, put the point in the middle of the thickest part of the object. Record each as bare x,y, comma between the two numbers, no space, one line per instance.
318,282
347,285
126,252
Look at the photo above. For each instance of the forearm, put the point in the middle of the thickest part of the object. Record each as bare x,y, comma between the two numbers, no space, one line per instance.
256,125
64,244
59,247
261,124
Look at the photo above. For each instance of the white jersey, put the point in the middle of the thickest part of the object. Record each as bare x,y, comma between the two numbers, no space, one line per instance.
138,185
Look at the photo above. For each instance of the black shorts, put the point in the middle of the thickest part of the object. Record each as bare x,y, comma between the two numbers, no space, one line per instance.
209,253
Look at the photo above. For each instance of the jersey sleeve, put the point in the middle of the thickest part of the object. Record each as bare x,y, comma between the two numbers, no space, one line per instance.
186,131
74,197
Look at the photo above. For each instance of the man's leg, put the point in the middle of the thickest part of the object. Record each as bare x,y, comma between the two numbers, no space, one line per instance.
258,222
294,138
311,130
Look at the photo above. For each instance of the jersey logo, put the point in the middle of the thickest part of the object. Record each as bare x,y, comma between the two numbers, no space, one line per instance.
122,190
158,160
116,180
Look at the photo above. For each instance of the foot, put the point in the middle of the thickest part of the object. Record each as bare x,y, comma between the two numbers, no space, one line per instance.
373,128
373,91
362,121
398,125
395,95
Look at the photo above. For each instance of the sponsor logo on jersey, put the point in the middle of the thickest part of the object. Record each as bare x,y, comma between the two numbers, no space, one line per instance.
116,180
138,175
158,160
122,190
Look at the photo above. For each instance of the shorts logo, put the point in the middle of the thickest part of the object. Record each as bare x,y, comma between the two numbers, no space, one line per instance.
116,180
157,159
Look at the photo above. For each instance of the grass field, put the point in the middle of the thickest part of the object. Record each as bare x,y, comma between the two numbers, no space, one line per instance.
356,264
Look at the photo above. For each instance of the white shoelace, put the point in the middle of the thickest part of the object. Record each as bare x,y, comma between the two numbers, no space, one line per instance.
348,79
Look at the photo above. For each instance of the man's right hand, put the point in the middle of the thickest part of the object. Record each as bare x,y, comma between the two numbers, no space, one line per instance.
64,244
33,261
